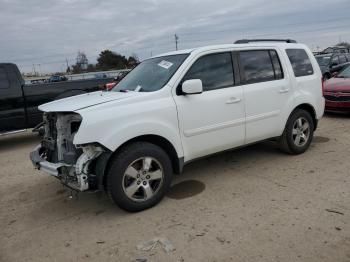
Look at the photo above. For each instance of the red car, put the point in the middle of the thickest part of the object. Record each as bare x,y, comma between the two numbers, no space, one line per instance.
336,91
116,80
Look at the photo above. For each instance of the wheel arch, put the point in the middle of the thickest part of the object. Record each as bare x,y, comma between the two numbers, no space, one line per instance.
310,109
177,162
163,143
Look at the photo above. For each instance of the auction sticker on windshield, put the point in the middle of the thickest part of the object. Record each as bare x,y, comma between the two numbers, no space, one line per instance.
165,64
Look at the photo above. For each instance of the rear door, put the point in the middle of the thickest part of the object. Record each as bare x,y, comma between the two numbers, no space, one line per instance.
12,108
267,93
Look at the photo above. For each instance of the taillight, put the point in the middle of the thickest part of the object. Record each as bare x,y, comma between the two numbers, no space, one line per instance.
110,86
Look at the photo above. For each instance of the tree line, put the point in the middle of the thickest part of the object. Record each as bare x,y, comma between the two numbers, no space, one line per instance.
107,60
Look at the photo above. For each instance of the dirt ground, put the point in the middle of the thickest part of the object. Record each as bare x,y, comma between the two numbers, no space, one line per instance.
251,204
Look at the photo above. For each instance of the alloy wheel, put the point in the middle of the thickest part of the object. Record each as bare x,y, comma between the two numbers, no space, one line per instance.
301,131
142,179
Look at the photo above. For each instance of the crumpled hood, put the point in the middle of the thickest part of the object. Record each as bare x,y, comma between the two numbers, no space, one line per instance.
74,103
337,84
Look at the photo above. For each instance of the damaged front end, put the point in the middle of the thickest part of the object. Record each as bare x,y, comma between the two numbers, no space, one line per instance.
58,156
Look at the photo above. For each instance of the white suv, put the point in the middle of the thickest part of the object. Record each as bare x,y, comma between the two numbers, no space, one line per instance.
177,107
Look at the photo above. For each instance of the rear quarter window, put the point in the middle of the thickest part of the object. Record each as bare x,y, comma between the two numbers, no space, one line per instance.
300,62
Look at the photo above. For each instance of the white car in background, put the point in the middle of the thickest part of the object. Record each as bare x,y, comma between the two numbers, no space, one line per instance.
177,107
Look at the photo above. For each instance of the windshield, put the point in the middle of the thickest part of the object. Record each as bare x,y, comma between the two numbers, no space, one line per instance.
323,60
345,73
151,75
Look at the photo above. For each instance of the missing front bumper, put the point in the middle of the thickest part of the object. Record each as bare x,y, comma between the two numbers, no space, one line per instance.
42,164
73,176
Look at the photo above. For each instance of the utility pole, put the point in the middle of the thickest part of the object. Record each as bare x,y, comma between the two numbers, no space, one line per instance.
67,65
34,71
176,40
39,65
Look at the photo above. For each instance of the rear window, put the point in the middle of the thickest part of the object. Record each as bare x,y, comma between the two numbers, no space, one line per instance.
300,62
4,82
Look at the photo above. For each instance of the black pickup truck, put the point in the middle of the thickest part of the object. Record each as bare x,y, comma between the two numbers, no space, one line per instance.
19,102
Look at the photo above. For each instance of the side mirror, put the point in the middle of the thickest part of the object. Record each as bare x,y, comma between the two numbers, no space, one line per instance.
191,87
335,74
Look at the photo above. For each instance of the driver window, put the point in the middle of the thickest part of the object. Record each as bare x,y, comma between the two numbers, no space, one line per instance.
215,71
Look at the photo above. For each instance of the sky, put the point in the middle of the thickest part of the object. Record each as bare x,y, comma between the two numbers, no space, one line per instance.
47,32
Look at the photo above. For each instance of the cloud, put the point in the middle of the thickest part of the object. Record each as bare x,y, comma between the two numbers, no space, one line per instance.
48,32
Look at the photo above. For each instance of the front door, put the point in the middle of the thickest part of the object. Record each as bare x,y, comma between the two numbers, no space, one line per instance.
213,120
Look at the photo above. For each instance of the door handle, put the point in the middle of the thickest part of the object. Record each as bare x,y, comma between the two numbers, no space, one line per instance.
233,100
283,90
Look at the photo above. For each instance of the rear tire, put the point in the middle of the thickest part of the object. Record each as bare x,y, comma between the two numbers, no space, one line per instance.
139,176
298,133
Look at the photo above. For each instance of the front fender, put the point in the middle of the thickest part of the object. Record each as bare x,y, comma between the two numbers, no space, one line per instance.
116,138
113,126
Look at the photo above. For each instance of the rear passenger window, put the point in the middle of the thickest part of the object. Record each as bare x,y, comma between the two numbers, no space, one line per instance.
260,66
4,82
214,70
300,62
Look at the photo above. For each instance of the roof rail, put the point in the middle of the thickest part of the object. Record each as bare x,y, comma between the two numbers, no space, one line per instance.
246,41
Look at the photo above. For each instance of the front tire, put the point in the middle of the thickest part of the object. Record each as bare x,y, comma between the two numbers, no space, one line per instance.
139,176
298,133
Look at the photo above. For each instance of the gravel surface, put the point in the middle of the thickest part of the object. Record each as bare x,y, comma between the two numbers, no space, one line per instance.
250,204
